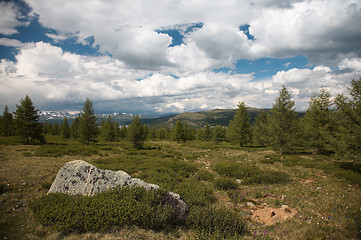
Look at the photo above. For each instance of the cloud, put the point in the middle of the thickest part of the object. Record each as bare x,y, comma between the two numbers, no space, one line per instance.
287,64
11,42
9,15
59,80
127,30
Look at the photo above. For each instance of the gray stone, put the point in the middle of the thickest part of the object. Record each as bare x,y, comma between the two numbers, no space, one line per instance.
251,204
81,178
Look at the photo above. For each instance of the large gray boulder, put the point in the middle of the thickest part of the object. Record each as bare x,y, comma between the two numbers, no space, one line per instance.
81,178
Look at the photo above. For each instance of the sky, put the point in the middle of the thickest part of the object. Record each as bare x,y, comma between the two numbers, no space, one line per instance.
155,57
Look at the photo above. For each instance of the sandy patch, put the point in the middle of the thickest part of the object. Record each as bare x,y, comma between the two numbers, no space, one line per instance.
270,216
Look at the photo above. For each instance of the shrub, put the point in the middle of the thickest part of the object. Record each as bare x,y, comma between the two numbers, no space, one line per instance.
234,169
204,175
267,177
127,206
222,183
216,223
195,193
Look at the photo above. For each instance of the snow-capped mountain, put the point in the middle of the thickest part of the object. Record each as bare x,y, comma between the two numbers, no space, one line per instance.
48,115
58,116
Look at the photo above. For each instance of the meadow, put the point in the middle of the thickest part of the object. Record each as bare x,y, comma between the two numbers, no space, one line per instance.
249,191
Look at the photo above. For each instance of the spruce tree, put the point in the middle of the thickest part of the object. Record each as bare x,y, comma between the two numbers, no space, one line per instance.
65,129
7,125
137,133
108,130
27,122
219,134
74,128
317,121
239,129
207,133
88,128
116,131
347,138
261,129
179,134
123,132
283,123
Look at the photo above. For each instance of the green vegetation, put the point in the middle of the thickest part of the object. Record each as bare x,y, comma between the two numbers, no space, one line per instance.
204,174
88,130
116,208
26,122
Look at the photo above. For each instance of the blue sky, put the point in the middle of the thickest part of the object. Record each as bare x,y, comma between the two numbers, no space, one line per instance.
157,57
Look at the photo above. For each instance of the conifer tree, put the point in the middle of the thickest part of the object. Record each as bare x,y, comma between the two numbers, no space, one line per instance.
7,125
283,123
27,122
219,134
74,128
179,134
137,133
123,132
87,124
347,138
317,121
261,129
207,133
65,129
239,130
108,130
116,131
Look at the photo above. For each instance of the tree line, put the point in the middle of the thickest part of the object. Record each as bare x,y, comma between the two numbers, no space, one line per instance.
327,124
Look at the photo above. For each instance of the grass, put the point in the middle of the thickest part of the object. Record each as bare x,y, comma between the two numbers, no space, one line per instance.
324,189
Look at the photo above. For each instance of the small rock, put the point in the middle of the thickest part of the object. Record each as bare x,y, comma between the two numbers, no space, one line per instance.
239,181
319,188
251,204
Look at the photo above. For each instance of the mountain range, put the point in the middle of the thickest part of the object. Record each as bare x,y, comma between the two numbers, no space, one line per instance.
193,119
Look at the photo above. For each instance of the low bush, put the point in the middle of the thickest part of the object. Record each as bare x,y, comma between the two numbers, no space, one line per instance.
58,150
223,183
195,193
164,172
216,223
102,212
204,175
267,177
234,169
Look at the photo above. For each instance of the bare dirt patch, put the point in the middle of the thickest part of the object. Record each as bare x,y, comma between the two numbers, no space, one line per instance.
270,216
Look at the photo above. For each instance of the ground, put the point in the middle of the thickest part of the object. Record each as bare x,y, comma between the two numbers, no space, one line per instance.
321,201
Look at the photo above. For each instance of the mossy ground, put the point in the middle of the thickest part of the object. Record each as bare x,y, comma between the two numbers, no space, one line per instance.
325,189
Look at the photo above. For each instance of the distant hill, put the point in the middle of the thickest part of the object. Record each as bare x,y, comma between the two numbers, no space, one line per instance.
200,119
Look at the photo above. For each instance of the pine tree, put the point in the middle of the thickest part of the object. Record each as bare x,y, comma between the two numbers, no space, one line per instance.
123,132
317,121
261,129
116,131
88,128
239,130
283,123
347,138
207,133
107,132
7,125
179,134
74,128
27,122
65,129
219,134
136,133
